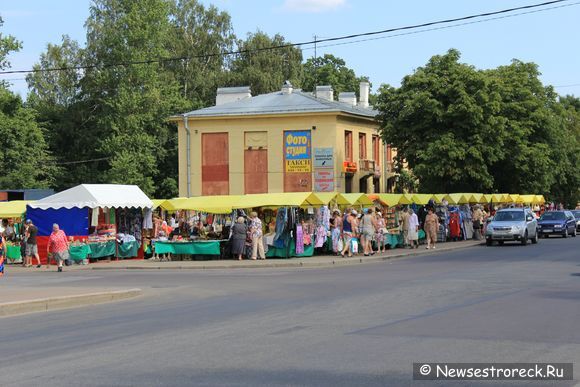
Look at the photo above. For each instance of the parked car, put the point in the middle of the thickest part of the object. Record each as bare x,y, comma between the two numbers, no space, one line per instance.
512,224
560,223
576,214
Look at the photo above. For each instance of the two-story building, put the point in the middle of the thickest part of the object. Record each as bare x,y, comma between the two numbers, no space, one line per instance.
286,141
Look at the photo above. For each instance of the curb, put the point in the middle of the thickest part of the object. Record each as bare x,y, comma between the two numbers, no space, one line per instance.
64,302
295,264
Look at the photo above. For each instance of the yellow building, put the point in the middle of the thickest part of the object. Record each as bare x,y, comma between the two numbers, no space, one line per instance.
286,141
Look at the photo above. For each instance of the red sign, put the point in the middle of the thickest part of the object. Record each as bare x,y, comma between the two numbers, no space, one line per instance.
349,166
324,180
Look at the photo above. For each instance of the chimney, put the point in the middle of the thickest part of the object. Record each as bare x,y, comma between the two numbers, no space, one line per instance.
287,88
364,95
232,94
324,92
347,97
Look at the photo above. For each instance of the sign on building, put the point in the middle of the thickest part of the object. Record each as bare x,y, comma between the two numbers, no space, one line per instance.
323,158
298,151
324,180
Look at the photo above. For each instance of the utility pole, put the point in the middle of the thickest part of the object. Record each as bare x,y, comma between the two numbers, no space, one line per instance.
315,65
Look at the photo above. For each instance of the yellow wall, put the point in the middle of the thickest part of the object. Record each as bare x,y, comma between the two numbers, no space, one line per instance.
329,132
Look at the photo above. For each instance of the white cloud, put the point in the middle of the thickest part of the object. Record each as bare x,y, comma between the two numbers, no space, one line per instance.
312,6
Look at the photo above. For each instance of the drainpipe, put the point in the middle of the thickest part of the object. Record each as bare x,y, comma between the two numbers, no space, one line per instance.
188,150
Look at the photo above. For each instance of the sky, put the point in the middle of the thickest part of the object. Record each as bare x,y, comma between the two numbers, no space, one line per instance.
548,38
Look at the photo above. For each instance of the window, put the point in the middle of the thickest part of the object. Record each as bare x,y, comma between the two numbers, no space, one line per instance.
376,150
348,146
389,154
362,146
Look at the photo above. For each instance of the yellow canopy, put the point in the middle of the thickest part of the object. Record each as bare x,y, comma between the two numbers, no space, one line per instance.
221,204
513,198
421,199
527,199
539,199
439,197
389,199
295,199
457,198
327,197
474,197
13,209
487,198
354,199
158,202
174,204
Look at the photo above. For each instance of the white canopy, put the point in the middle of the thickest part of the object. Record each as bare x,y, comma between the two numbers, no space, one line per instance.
96,195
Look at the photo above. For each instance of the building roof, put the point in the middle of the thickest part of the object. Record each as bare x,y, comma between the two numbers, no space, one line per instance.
281,103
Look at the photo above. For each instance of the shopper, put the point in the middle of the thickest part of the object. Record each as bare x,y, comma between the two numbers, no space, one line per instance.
368,230
257,240
404,225
349,227
413,229
431,228
336,228
31,245
239,232
477,222
380,232
57,246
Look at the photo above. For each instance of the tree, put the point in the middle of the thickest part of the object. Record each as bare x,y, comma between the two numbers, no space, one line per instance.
467,130
265,70
330,70
24,156
443,121
201,35
131,103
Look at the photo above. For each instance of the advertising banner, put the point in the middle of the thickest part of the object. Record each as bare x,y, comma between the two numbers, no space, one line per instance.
298,151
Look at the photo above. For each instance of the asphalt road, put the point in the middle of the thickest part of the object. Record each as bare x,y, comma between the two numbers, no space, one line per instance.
357,325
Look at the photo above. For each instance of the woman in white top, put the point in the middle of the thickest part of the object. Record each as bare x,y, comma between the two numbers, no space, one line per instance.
413,229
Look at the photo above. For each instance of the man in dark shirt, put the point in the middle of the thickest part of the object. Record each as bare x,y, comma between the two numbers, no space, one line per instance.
31,246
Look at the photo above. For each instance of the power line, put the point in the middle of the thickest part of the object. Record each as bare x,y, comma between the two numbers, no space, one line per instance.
562,86
332,39
450,26
82,161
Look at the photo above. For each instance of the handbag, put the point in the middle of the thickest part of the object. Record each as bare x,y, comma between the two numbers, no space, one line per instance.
476,225
340,245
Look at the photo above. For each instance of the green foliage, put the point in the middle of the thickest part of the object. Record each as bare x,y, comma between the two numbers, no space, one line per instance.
406,182
265,71
24,156
196,31
330,70
466,130
132,102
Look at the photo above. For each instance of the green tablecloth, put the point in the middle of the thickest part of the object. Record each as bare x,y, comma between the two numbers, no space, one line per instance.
128,249
103,249
13,252
290,251
394,240
79,253
189,248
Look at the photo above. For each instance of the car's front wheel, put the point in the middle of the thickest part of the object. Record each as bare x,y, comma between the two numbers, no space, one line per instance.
565,235
488,242
525,239
536,238
574,233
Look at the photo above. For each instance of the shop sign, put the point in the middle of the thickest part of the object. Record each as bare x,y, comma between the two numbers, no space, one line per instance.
323,158
349,167
324,180
297,151
302,166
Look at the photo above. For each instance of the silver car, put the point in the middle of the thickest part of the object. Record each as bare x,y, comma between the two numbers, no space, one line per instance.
512,224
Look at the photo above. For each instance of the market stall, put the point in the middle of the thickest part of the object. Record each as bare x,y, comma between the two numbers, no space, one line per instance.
11,214
102,220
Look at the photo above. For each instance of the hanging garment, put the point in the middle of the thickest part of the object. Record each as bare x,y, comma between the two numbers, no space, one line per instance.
454,225
320,236
299,240
95,217
148,219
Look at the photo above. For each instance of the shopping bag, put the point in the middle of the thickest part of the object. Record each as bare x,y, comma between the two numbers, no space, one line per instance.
340,245
354,245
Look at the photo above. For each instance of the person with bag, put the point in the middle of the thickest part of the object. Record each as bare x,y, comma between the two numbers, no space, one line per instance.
335,231
238,238
477,222
58,246
381,231
413,229
349,227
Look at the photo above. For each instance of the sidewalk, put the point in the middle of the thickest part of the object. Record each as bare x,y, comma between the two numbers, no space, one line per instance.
315,261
